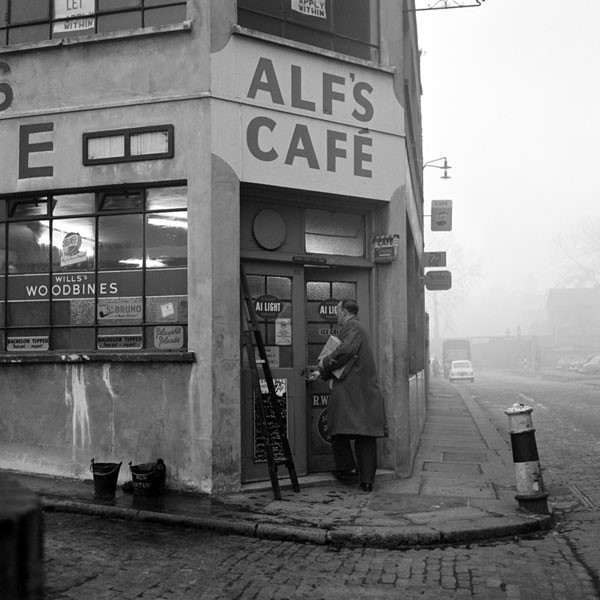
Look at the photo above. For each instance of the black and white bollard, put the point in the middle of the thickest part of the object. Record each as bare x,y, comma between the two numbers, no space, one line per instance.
531,494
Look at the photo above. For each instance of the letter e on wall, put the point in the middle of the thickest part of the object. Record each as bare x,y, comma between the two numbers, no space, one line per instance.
27,147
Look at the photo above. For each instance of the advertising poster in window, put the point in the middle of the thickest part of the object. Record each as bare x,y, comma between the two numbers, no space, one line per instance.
120,310
27,344
168,337
312,8
120,341
260,454
76,15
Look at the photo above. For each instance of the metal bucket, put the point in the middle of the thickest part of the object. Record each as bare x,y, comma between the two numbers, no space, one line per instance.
105,478
148,478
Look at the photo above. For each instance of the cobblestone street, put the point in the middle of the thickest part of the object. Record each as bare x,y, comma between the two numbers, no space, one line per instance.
92,558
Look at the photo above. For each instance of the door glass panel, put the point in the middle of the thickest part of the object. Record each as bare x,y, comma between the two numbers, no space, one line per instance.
317,290
274,316
321,297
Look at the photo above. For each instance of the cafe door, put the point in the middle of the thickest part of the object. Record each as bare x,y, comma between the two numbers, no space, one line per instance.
295,307
276,290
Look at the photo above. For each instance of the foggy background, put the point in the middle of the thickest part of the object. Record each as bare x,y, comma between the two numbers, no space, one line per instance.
511,97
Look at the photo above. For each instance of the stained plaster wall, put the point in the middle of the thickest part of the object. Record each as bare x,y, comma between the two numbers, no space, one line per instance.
60,415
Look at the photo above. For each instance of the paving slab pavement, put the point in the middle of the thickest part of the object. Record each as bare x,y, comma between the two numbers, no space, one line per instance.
461,490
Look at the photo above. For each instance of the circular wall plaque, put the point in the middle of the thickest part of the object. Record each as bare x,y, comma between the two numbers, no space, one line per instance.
269,229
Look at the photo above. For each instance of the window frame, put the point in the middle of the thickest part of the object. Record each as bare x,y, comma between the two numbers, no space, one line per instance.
144,8
146,273
287,20
127,134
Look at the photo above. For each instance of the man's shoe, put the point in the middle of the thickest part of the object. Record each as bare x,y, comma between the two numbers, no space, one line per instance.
366,487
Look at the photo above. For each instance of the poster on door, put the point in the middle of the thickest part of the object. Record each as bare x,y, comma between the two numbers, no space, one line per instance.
260,453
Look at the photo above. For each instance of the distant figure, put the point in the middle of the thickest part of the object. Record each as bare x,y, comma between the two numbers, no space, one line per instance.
435,367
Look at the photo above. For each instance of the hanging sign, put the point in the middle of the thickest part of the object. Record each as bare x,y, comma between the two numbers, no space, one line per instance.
385,247
268,307
327,309
434,259
438,280
441,215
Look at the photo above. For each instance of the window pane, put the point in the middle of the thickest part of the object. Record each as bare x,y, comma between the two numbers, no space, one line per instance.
308,36
3,12
164,16
148,3
34,207
166,283
109,146
318,290
2,255
29,245
264,7
73,244
357,49
78,311
73,204
34,33
166,239
79,338
120,242
260,23
3,206
119,22
352,18
23,11
149,142
117,4
334,233
129,200
29,313
166,198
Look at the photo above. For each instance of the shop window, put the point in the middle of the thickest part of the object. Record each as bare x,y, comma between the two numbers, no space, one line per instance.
36,20
329,232
102,270
344,26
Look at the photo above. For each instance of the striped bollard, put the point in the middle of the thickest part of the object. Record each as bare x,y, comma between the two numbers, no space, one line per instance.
531,494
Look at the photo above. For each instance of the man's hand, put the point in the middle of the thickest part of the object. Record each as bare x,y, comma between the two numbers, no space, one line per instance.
313,376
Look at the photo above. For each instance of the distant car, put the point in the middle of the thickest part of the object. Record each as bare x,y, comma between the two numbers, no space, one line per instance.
461,370
591,366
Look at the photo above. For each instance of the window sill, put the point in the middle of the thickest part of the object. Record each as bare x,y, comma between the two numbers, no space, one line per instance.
97,37
82,357
280,41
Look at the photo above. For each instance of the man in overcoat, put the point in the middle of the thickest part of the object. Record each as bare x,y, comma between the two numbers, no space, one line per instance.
356,410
